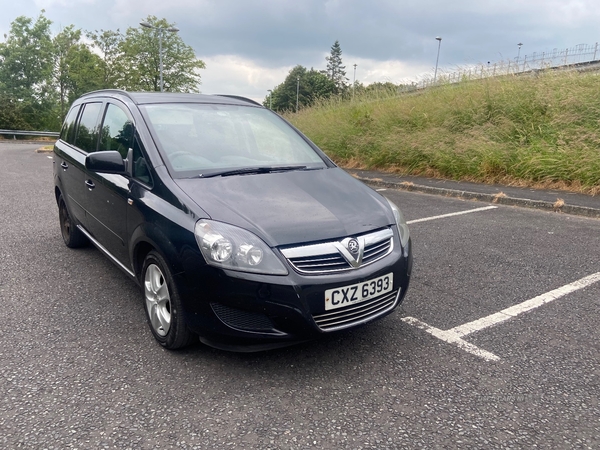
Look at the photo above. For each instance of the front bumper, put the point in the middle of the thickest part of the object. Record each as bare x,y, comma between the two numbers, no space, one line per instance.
248,312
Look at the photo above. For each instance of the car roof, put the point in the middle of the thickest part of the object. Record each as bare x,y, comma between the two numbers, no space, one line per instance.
142,98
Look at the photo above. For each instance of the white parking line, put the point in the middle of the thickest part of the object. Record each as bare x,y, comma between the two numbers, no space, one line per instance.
451,338
455,335
528,305
443,216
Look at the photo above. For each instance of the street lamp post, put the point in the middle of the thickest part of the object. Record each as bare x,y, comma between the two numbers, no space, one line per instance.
439,39
160,56
519,54
270,98
297,91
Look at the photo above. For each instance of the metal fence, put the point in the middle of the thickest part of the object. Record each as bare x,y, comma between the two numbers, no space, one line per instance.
15,133
581,56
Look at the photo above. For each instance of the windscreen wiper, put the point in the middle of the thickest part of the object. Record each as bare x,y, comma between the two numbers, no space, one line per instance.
250,170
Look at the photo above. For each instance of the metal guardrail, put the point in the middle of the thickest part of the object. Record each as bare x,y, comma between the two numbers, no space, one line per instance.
16,133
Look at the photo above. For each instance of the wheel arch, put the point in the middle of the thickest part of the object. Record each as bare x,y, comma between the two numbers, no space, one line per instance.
140,252
57,193
146,238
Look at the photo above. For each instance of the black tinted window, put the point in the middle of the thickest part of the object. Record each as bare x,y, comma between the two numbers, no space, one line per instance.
141,171
87,132
67,133
117,131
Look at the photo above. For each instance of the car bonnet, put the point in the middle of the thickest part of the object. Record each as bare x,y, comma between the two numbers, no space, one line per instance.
292,207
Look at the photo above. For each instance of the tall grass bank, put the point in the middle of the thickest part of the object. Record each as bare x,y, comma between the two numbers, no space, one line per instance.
534,129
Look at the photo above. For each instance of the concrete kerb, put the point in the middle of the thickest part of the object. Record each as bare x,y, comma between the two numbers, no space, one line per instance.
491,198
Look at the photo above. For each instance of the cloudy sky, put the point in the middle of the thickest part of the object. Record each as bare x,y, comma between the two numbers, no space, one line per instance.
249,46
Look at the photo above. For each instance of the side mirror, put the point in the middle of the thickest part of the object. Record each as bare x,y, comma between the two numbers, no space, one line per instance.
106,162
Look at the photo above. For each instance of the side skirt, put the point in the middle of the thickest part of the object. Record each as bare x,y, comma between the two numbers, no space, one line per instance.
107,253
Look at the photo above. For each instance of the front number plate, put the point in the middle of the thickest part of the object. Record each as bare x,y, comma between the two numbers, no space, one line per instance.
356,293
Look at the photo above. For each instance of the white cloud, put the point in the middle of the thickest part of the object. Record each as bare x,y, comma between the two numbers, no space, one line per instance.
232,74
250,45
371,71
572,13
49,4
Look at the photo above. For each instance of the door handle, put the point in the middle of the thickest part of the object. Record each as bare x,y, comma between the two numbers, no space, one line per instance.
64,165
90,184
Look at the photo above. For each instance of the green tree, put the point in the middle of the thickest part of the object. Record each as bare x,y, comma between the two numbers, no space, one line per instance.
76,69
85,72
109,45
12,114
63,43
310,85
318,86
41,75
335,70
141,56
26,64
284,95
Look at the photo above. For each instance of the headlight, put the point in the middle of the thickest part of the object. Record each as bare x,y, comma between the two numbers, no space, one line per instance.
401,223
230,247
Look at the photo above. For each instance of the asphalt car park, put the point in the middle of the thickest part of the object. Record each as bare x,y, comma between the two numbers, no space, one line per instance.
81,370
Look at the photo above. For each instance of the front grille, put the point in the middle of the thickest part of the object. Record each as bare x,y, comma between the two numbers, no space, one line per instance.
323,263
326,257
376,251
242,320
355,314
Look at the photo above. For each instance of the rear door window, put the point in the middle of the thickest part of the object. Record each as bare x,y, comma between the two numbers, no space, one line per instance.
87,132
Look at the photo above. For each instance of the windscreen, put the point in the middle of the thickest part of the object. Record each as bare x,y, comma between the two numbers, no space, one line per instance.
199,139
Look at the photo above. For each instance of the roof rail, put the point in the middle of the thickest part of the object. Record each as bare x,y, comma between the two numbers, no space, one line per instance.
239,97
107,91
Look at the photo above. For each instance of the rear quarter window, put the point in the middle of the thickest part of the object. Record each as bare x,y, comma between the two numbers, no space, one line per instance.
67,133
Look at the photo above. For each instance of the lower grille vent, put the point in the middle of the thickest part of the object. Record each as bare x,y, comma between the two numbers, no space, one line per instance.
242,320
355,314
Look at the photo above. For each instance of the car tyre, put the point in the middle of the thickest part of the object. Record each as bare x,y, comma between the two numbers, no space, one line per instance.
163,304
72,235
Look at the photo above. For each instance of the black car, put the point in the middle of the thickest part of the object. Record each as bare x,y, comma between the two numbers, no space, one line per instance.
238,229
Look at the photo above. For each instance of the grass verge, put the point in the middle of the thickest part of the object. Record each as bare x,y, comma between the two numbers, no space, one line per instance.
540,130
